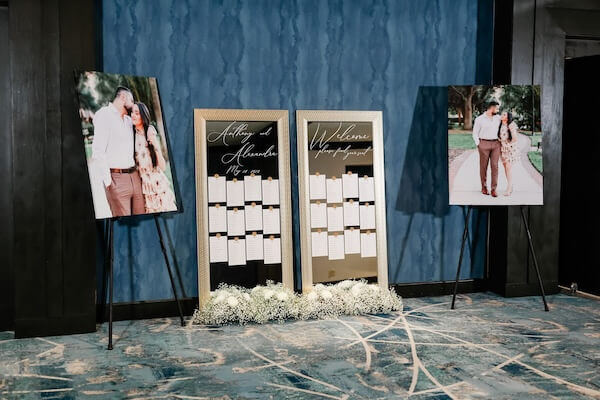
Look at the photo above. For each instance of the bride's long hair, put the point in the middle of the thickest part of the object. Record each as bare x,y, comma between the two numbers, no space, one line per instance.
509,120
145,115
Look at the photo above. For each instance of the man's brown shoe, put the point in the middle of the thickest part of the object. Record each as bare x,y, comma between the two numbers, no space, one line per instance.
484,191
494,194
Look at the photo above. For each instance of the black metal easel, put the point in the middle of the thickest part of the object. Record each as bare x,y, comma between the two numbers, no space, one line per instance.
462,249
109,255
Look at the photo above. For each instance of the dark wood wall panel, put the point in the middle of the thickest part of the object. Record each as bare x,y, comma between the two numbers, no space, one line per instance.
6,228
54,228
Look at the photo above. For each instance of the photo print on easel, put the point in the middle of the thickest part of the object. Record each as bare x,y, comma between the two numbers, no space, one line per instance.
495,145
126,145
243,198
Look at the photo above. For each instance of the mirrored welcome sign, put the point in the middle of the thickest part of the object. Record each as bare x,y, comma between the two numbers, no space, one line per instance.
242,198
342,196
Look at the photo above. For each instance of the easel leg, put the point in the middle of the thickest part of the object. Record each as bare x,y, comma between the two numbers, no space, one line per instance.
462,250
111,281
535,263
164,251
106,235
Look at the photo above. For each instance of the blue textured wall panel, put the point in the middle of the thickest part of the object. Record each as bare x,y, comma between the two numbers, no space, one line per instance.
390,55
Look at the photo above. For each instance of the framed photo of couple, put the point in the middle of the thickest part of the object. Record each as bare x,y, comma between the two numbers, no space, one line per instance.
495,145
126,145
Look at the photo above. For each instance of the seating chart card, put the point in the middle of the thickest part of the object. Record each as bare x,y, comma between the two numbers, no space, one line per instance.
350,185
254,217
335,218
319,244
236,251
334,190
270,190
235,193
235,222
216,189
271,221
351,213
217,218
254,247
218,249
272,250
368,244
352,241
252,188
366,188
367,216
336,247
318,188
318,215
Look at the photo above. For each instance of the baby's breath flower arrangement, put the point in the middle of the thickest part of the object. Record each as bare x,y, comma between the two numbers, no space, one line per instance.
274,302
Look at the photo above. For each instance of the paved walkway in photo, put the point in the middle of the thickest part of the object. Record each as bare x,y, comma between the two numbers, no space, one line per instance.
465,186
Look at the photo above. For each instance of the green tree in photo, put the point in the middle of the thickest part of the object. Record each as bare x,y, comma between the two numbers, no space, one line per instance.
468,102
524,103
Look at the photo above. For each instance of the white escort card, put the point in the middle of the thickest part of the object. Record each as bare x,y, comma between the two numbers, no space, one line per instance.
335,218
271,221
236,250
235,193
351,213
217,218
216,189
254,217
318,215
217,248
352,241
235,222
317,187
368,244
252,188
366,189
367,216
254,247
350,185
319,244
336,247
272,250
334,190
270,190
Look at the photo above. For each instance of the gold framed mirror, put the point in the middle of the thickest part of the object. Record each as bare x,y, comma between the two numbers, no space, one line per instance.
243,198
342,196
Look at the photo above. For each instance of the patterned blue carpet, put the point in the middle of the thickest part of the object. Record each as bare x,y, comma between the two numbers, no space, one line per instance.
490,347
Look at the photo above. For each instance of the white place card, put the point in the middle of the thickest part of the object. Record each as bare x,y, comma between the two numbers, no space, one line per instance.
236,250
318,215
336,247
352,241
235,222
334,190
253,215
270,189
366,189
368,244
216,189
318,188
272,250
217,249
350,185
367,216
235,193
335,219
252,188
318,244
271,221
217,219
351,213
254,247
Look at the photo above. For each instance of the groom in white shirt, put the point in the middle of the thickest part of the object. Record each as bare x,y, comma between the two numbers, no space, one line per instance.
485,135
113,151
